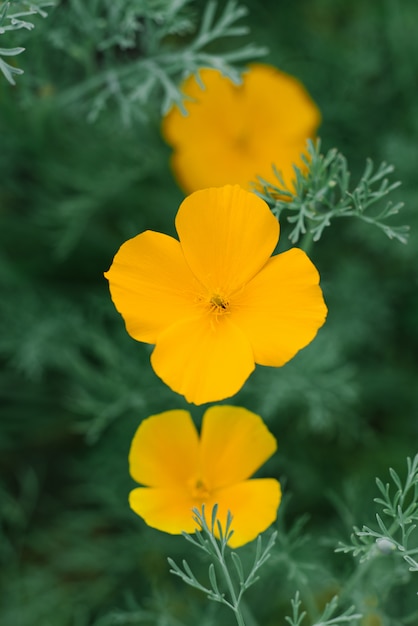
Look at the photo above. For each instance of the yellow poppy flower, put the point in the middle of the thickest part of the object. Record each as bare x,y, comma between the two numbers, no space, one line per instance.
182,471
234,133
215,303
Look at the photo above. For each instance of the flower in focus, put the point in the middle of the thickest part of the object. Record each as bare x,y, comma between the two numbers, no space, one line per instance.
234,133
214,303
182,471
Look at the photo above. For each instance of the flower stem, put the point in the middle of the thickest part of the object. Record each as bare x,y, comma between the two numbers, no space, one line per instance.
306,242
235,601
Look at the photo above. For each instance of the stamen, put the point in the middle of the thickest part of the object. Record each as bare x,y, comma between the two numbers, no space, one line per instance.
218,304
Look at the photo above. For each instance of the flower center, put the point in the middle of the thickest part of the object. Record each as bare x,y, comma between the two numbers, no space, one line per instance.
218,304
199,491
241,142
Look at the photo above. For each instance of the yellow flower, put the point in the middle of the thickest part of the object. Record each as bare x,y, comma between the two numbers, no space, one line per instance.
215,303
182,471
234,133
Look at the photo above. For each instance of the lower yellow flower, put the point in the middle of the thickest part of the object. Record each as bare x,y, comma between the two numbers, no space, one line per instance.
234,133
215,303
181,471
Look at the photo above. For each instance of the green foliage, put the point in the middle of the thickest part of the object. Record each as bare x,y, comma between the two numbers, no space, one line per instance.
216,549
327,618
7,69
14,21
149,46
322,193
396,535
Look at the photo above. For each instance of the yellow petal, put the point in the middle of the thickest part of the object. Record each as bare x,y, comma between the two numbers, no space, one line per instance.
239,164
169,510
218,131
151,284
288,112
231,167
282,308
164,450
205,359
289,118
240,130
205,115
226,234
284,156
253,504
234,443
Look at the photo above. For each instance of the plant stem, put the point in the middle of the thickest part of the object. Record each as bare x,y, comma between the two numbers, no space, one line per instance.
306,242
234,600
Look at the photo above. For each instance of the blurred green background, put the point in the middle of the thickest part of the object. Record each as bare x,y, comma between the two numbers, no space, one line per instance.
74,386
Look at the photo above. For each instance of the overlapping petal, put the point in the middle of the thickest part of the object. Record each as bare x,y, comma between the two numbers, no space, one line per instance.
288,112
246,444
253,504
226,235
234,133
282,308
205,121
164,451
205,359
151,284
168,510
232,166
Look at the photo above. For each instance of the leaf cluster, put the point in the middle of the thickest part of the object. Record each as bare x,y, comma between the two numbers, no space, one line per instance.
396,524
149,47
322,193
216,549
328,617
16,20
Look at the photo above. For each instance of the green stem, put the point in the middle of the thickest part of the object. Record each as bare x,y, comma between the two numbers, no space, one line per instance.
306,242
239,618
234,600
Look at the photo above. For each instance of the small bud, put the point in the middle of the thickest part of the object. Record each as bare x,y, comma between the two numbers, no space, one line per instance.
385,546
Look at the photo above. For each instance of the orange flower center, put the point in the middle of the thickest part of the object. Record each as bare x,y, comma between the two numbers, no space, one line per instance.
199,491
218,304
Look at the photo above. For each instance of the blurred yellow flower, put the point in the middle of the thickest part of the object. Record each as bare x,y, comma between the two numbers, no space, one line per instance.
182,471
215,303
234,133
